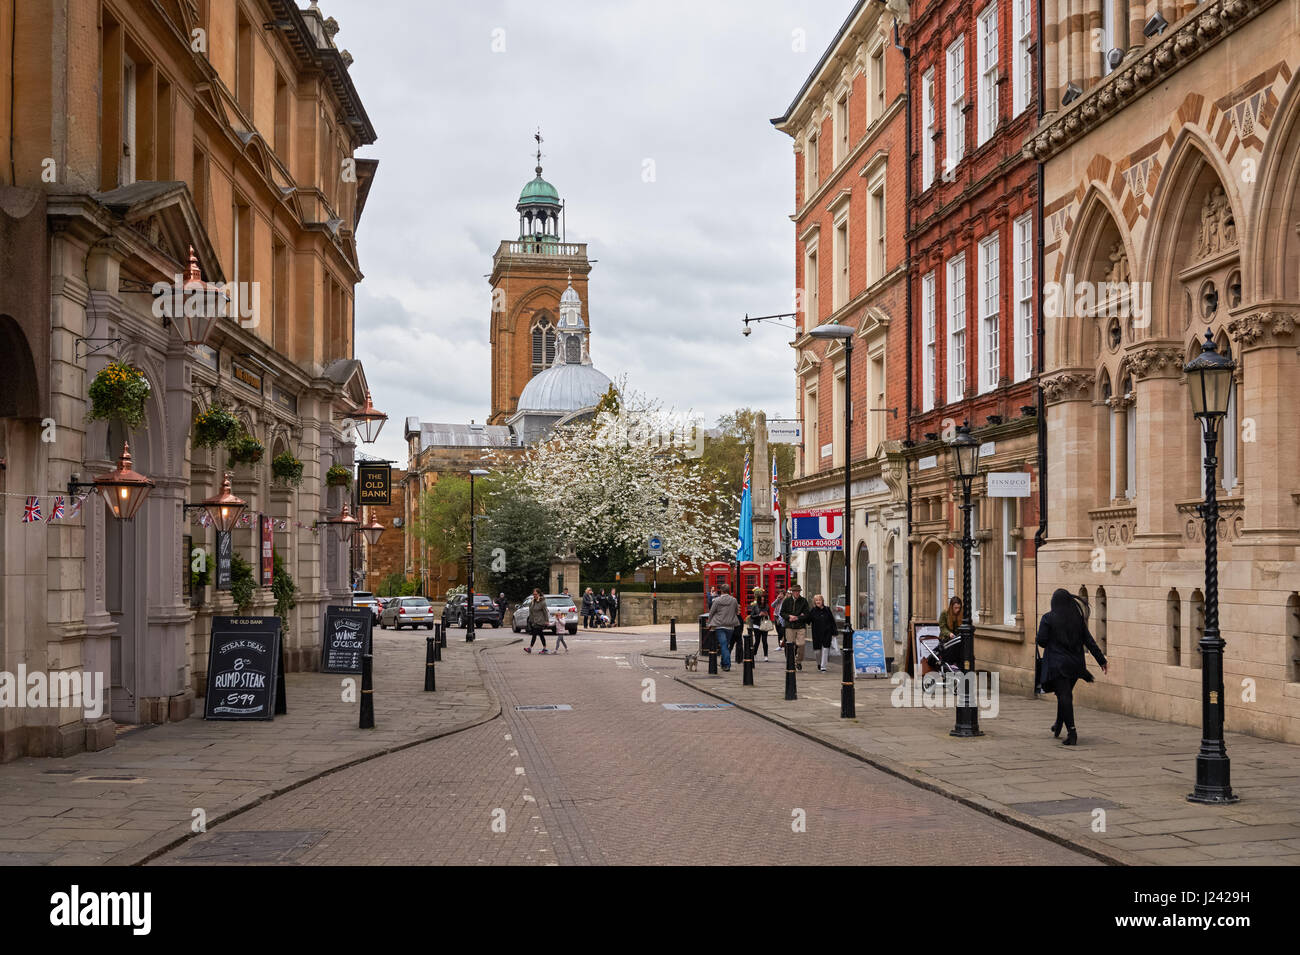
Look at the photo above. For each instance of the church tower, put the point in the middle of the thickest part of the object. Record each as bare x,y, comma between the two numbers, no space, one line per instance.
529,277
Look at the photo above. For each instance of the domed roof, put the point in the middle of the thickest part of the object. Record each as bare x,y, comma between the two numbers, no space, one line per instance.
570,296
564,388
539,192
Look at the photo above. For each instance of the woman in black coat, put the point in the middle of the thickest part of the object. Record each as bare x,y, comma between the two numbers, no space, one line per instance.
822,620
1063,634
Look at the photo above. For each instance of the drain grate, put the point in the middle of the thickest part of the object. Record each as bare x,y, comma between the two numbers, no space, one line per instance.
283,845
1055,807
58,772
544,706
697,706
110,779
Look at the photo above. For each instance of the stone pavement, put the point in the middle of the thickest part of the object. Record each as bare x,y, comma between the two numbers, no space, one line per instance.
1138,771
618,779
134,800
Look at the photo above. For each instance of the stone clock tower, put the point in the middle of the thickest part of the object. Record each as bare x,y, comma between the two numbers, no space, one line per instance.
529,275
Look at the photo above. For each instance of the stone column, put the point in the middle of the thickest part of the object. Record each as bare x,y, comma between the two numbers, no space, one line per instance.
761,483
1162,429
1071,442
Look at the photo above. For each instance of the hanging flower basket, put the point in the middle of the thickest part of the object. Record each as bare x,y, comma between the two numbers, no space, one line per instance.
245,450
286,470
119,392
216,426
339,476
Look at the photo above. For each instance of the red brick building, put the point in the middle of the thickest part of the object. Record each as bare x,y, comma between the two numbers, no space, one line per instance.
848,126
973,231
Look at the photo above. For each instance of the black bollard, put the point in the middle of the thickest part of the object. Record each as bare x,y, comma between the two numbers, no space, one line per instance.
440,632
437,648
748,679
367,692
713,652
848,710
672,633
430,655
790,692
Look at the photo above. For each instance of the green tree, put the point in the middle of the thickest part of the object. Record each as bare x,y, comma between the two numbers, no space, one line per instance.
396,585
443,525
516,541
724,459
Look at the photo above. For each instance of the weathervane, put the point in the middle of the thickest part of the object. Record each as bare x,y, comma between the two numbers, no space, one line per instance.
538,136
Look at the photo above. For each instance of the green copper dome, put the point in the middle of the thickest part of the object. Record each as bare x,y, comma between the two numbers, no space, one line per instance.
539,192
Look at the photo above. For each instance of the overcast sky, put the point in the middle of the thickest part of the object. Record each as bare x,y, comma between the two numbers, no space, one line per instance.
689,86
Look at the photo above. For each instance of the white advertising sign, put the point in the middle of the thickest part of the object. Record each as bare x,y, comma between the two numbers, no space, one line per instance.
785,432
1008,484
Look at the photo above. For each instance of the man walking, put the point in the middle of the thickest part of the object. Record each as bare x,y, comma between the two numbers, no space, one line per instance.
588,609
724,617
796,610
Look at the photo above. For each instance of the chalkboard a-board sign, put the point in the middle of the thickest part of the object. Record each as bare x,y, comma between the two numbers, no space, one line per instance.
346,637
243,666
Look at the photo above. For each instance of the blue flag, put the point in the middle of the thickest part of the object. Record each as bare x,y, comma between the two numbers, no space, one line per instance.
745,534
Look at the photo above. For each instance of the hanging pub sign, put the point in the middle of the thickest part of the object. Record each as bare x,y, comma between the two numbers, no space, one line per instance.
268,557
244,675
374,484
223,560
819,529
347,635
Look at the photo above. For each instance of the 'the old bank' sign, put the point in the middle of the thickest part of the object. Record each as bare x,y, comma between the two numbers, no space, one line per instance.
374,484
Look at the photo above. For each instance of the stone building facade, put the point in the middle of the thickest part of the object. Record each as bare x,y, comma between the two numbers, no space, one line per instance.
1172,198
972,226
141,132
848,123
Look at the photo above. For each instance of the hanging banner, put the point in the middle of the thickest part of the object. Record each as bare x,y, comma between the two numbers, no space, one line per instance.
223,560
268,561
374,484
820,529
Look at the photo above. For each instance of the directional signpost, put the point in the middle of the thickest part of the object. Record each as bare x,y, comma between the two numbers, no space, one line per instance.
656,547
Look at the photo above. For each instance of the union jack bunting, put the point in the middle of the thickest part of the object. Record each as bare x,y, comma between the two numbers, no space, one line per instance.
76,505
205,519
32,510
56,512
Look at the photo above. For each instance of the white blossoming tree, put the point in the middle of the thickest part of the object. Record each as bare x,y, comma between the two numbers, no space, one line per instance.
612,483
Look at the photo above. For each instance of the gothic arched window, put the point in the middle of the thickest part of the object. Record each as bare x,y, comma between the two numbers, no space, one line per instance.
543,345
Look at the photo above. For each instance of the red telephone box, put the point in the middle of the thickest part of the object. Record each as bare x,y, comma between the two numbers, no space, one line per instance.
716,573
751,577
776,577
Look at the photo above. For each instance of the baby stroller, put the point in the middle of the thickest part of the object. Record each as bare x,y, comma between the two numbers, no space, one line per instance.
944,656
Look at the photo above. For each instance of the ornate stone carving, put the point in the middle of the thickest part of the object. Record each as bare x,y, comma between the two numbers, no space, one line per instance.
1070,386
1119,267
1218,228
1156,360
1267,328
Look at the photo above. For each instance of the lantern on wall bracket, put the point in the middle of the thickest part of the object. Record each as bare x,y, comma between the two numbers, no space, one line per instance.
372,531
123,489
369,420
345,525
196,305
224,509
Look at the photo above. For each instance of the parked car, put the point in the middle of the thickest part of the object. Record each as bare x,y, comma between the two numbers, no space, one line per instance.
364,598
556,604
485,612
402,612
838,610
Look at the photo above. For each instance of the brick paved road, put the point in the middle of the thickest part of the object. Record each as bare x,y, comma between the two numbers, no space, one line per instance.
615,779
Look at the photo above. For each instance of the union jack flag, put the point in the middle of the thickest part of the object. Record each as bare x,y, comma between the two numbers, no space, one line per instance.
745,482
204,518
32,510
56,512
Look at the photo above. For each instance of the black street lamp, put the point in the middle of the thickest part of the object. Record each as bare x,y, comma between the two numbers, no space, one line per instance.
1209,378
845,334
469,623
966,452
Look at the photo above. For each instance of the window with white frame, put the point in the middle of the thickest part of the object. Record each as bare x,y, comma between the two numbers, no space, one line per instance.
812,311
988,313
1023,255
876,420
811,439
927,129
841,252
956,312
841,128
814,168
1010,559
1022,66
876,104
876,252
987,105
837,419
956,135
930,348
126,169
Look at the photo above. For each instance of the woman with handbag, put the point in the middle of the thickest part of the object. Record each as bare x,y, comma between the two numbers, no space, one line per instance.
1063,635
822,620
759,621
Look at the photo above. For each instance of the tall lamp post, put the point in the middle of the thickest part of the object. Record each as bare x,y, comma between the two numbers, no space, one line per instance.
1209,379
845,334
469,622
966,451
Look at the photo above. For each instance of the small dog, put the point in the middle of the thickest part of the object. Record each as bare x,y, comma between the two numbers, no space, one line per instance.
692,661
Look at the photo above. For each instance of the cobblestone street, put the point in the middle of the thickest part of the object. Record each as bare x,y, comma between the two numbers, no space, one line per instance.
618,778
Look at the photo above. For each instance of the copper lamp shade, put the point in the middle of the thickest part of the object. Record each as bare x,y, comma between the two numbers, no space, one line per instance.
370,420
224,509
124,490
345,525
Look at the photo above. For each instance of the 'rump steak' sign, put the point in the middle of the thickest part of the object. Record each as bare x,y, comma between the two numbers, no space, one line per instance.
243,666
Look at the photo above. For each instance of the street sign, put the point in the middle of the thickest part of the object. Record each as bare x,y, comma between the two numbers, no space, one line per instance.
1007,484
655,545
819,529
784,432
374,484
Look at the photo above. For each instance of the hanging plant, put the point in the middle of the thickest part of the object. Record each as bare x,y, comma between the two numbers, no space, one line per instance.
216,426
241,583
119,392
285,591
245,449
339,476
286,469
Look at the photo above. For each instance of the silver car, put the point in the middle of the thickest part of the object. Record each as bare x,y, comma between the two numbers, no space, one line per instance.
407,612
557,605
